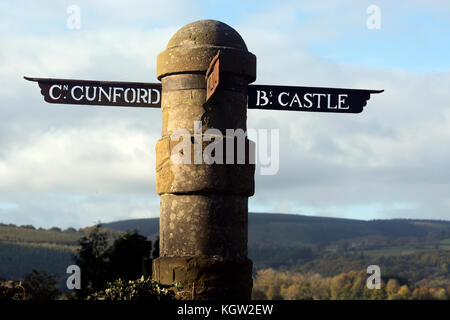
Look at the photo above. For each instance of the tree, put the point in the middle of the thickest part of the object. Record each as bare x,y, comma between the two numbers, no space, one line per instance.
28,226
258,294
92,259
35,286
11,290
404,293
40,286
440,294
422,293
130,256
155,253
392,287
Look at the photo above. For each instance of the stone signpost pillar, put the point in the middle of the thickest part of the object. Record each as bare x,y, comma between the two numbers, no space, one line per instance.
205,73
204,207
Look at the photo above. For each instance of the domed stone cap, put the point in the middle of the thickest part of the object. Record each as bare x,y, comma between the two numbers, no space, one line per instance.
207,32
192,48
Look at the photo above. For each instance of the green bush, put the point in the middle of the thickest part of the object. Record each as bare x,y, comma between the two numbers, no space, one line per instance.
36,286
11,290
141,289
40,286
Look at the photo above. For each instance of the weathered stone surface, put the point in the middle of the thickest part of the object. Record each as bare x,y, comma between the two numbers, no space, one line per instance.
205,277
183,102
212,225
181,108
197,59
192,48
202,178
209,33
204,207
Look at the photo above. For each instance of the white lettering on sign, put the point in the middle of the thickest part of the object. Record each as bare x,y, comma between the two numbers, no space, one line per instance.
341,101
261,95
318,98
107,95
310,103
102,94
116,94
126,95
297,100
158,96
91,98
279,98
51,91
72,92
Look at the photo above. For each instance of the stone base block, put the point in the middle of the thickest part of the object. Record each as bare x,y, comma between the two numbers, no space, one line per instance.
206,278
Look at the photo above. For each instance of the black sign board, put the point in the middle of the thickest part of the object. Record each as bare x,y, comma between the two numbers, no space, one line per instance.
308,98
139,94
103,93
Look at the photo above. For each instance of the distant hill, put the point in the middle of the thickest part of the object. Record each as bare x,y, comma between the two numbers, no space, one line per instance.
291,229
275,240
287,240
148,227
25,248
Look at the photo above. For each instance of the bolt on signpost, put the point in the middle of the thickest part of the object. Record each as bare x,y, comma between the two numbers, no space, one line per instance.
205,73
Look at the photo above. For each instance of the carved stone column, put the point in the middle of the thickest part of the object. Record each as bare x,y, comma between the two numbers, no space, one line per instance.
204,207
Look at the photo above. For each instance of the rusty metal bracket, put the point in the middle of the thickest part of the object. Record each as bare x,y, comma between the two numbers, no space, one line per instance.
213,76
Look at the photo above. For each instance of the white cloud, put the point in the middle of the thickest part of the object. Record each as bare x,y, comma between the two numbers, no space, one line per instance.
110,158
393,152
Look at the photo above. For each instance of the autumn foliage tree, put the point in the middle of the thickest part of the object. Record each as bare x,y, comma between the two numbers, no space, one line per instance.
271,284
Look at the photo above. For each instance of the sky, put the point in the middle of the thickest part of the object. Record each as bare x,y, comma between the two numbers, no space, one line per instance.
65,165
